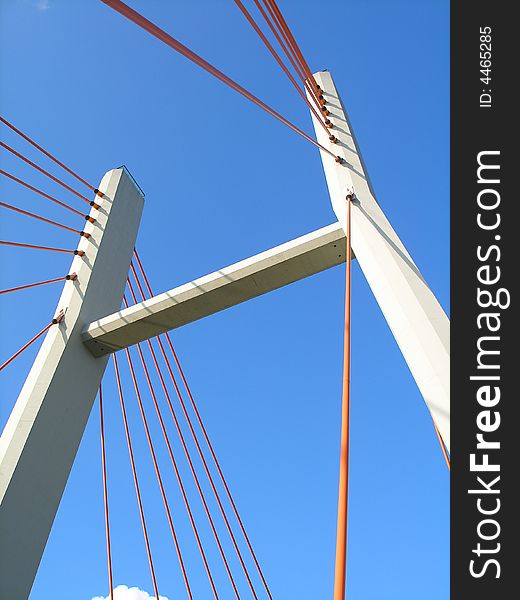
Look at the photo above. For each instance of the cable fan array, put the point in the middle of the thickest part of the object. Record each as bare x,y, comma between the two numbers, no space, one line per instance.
166,365
51,224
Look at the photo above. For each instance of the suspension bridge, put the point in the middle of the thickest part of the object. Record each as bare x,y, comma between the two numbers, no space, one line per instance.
108,317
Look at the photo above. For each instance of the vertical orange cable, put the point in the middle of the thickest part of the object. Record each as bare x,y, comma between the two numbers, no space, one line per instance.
136,480
341,532
188,457
200,422
195,438
443,447
105,492
156,466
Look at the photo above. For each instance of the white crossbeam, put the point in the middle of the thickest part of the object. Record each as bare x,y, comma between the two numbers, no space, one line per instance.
217,291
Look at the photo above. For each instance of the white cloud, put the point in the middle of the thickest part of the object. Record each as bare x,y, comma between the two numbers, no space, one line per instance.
43,4
123,592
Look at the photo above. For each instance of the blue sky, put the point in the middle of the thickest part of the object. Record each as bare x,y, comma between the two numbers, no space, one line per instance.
224,181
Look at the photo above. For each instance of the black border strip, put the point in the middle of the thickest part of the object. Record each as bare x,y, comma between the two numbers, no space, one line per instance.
485,256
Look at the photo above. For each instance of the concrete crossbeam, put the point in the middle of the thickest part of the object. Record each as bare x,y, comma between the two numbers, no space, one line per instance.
217,291
41,437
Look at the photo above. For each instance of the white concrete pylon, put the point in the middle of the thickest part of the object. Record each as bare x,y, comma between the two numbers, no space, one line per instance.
42,435
418,322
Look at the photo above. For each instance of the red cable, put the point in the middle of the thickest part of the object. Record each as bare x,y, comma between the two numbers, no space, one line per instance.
287,50
136,480
148,26
340,568
51,198
28,139
35,247
34,216
190,462
202,457
156,464
105,492
296,49
285,45
276,56
186,502
443,447
31,285
185,498
201,424
314,89
31,341
29,162
276,19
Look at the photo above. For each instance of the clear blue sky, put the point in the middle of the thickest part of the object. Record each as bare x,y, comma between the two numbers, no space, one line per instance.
224,181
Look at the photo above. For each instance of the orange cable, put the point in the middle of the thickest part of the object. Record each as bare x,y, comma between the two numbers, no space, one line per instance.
277,24
201,454
44,219
272,26
299,54
46,173
159,33
25,346
105,492
201,424
341,532
286,36
192,467
190,514
156,464
303,73
32,188
36,247
443,447
38,283
136,480
49,155
276,56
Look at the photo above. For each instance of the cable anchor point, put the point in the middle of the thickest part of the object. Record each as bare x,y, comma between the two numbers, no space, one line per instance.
59,317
